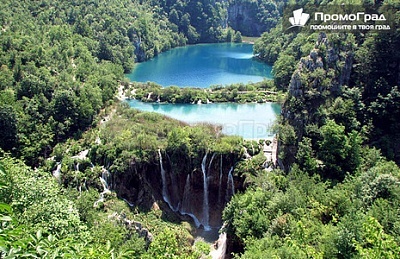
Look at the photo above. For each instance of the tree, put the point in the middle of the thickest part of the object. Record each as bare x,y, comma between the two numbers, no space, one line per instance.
305,156
164,246
336,149
8,128
238,37
229,35
333,146
282,70
375,242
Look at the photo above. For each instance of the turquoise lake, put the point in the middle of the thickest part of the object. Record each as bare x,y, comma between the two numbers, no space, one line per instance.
203,65
249,120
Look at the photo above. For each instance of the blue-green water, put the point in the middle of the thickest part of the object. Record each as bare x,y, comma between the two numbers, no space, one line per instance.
250,120
203,65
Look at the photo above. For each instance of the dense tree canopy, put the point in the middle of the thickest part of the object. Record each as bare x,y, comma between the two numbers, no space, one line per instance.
60,61
336,194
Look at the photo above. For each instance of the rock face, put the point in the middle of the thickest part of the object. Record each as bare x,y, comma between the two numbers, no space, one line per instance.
307,92
139,52
135,226
240,18
201,192
183,185
245,16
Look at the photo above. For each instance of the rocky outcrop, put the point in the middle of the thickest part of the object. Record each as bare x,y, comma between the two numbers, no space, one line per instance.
185,187
243,17
139,51
182,186
308,88
133,226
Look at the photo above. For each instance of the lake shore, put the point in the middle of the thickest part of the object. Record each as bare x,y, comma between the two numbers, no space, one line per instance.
150,92
252,121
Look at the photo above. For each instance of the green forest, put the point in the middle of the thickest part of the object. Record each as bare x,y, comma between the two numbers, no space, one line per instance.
334,194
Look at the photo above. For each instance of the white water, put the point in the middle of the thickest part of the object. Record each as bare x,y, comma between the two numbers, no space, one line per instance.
205,195
220,251
195,219
220,182
211,160
103,193
82,155
57,172
164,182
130,204
230,187
185,205
105,176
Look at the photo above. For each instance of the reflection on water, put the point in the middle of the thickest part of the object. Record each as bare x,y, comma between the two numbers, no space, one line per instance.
250,120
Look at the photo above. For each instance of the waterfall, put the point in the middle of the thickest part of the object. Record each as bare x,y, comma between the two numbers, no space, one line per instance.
164,182
57,172
185,205
230,187
104,183
205,196
211,160
221,244
220,182
130,204
185,208
105,189
105,177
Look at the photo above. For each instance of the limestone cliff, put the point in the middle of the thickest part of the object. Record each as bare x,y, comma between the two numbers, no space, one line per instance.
252,18
180,182
318,78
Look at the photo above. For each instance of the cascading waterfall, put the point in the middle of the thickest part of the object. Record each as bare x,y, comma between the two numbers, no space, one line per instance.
183,201
57,172
164,182
211,160
105,189
220,182
230,186
105,176
205,196
185,205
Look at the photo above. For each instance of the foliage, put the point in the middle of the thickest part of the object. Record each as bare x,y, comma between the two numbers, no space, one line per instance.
43,222
335,147
60,65
61,61
305,217
239,93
